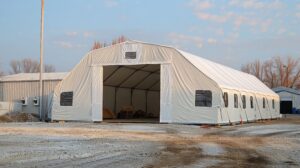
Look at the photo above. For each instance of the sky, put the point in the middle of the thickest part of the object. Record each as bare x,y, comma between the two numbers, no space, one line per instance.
230,32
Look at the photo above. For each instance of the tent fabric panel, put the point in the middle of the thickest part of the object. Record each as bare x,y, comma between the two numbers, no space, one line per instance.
135,79
259,103
79,81
131,47
139,100
166,93
156,86
107,55
119,76
153,103
149,81
123,98
97,90
234,113
252,113
185,82
109,98
109,71
223,116
146,54
227,77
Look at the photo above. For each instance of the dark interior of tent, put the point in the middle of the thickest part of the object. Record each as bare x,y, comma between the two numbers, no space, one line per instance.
131,93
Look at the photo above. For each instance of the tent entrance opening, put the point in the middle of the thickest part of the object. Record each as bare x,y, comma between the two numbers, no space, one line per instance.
131,93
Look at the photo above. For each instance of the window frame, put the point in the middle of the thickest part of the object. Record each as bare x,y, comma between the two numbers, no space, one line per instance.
251,102
244,101
130,55
236,101
225,99
66,98
203,101
264,102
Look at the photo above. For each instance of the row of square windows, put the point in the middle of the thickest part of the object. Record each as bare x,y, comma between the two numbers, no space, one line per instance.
204,99
236,101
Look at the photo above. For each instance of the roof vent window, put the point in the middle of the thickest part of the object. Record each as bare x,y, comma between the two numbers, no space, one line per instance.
130,55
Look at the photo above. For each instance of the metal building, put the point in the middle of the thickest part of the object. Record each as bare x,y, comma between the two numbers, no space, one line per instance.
289,99
23,89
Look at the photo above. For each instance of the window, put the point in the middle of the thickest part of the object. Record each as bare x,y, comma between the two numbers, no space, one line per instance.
130,55
225,98
251,101
66,99
236,101
203,98
264,103
244,101
273,103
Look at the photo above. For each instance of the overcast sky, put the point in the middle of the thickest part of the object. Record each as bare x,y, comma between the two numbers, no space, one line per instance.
231,32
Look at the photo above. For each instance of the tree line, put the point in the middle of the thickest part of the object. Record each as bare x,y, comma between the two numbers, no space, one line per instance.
28,65
118,40
276,71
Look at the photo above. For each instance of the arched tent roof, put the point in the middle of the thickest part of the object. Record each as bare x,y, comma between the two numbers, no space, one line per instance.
225,77
228,78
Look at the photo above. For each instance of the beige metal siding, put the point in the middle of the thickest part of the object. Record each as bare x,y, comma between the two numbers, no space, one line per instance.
16,90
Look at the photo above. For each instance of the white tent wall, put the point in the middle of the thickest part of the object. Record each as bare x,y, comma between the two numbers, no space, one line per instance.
186,79
248,113
234,114
264,112
252,113
79,80
166,86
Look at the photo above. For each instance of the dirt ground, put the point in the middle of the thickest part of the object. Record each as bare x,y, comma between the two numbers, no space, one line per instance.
273,143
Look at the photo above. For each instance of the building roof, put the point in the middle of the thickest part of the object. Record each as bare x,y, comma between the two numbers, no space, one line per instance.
33,77
285,89
226,77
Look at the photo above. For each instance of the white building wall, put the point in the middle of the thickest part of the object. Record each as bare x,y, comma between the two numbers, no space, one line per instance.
287,96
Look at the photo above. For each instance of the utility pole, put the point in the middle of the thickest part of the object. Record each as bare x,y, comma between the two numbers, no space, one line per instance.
41,60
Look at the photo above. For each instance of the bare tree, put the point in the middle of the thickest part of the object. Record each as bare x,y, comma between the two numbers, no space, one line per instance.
28,65
98,44
276,72
255,68
15,67
49,68
269,76
120,39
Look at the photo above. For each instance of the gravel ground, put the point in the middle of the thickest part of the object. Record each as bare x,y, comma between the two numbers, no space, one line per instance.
273,143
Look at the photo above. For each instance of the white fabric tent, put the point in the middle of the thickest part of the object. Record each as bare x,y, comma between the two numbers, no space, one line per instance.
174,85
